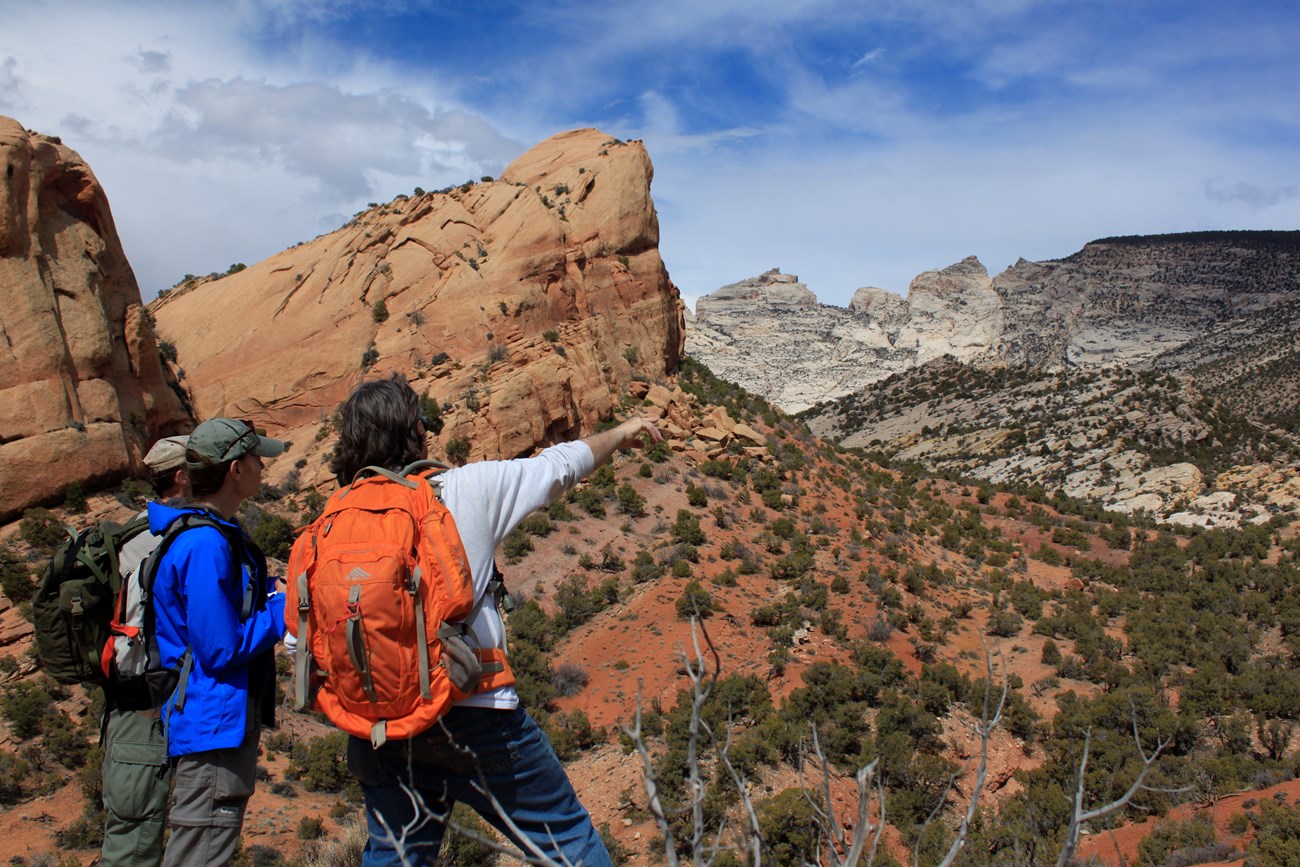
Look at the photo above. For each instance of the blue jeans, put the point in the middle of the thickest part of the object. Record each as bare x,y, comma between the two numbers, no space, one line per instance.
503,750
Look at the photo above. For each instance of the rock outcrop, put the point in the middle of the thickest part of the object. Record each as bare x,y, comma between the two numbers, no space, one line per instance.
523,305
81,384
770,335
954,312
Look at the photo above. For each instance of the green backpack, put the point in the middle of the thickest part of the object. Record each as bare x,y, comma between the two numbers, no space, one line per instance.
74,603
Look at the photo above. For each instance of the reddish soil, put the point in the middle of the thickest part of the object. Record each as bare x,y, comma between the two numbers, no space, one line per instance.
1119,847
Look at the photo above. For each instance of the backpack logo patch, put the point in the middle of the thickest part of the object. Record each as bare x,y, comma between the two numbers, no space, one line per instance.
357,574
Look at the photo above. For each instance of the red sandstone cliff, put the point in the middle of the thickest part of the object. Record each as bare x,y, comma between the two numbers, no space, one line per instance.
544,289
82,390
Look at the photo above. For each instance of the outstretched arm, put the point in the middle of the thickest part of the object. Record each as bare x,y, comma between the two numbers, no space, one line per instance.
626,436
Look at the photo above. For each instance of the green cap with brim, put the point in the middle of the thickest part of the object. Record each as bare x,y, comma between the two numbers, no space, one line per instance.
219,440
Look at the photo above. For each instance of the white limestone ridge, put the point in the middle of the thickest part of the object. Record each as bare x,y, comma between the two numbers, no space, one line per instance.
1165,300
769,333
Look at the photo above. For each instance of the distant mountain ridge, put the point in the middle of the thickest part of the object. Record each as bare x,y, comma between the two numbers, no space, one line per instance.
1140,301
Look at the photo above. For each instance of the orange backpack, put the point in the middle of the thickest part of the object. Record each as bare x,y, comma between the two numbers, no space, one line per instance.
384,596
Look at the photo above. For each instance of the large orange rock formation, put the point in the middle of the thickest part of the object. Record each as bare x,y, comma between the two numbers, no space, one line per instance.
527,304
82,390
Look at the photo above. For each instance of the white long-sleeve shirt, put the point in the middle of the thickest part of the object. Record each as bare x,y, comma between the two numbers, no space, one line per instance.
488,499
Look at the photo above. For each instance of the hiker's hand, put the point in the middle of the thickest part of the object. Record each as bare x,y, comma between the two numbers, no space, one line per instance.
632,431
631,434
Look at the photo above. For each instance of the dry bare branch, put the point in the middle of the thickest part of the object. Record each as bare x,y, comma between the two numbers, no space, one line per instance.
832,830
651,780
751,815
988,722
1079,815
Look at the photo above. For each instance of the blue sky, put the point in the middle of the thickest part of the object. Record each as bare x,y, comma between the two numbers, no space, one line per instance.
852,143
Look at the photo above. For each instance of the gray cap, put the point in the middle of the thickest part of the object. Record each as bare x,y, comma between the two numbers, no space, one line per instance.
219,440
166,454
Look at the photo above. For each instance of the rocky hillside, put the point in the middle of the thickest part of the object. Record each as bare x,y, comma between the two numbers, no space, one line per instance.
1128,440
835,592
81,386
523,306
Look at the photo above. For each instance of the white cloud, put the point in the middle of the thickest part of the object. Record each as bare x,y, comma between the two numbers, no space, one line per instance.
868,58
1252,196
12,97
212,152
319,132
152,61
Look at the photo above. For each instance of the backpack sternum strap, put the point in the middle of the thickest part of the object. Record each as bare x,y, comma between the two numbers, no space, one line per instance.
421,634
357,644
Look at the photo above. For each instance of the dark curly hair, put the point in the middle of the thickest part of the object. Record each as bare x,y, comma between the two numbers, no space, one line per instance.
380,427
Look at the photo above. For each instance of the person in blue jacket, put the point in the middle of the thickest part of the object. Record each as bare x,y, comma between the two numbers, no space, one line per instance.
218,618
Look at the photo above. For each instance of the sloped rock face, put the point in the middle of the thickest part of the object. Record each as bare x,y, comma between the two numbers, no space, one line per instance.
953,312
524,305
81,385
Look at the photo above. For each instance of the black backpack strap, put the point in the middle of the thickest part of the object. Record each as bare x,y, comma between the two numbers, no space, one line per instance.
187,665
149,572
497,587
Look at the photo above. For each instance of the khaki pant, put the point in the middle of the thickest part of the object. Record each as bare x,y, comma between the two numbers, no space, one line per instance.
211,795
136,779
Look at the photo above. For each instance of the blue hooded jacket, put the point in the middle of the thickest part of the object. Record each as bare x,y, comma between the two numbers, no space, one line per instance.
198,597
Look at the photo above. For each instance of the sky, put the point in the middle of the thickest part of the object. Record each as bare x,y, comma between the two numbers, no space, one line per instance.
855,143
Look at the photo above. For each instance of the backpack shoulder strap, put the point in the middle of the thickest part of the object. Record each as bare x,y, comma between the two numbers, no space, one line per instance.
149,568
379,471
149,572
108,538
430,464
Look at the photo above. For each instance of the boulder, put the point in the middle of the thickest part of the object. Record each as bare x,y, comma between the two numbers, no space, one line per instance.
746,432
